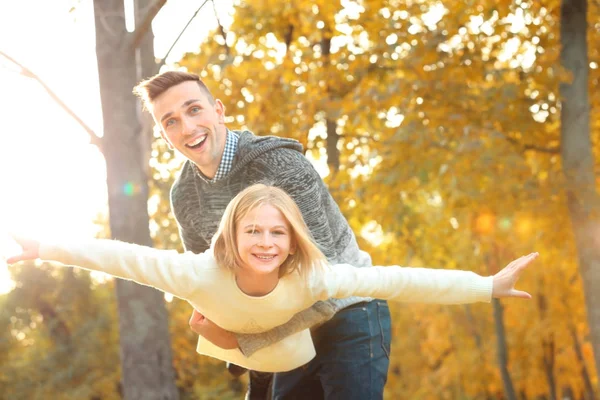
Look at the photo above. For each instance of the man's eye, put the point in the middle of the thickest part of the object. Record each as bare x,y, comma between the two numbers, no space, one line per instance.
195,109
169,122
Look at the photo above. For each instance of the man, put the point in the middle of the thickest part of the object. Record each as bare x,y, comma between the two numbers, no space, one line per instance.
353,340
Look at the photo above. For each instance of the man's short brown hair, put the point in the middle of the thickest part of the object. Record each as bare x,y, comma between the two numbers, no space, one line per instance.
148,90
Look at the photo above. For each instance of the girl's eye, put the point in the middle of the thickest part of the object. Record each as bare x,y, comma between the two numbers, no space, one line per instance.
278,233
252,231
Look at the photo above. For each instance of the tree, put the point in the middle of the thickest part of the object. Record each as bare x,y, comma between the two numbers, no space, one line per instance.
146,359
578,159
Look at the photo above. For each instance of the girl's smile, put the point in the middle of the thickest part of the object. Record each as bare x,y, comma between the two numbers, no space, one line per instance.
264,240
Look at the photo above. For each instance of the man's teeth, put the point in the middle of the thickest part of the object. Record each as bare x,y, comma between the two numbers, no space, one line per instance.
197,142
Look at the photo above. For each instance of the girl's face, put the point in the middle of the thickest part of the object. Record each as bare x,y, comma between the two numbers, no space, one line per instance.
264,240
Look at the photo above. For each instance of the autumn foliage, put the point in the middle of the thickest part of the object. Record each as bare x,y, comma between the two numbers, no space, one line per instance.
436,127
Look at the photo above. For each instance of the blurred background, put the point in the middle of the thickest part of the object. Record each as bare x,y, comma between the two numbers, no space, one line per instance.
452,134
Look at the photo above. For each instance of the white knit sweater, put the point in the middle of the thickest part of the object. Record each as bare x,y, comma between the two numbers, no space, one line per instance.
213,291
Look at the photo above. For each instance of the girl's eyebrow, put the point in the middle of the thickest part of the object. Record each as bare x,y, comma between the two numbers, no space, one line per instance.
259,226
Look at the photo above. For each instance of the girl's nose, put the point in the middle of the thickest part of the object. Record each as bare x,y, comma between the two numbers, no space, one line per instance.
265,240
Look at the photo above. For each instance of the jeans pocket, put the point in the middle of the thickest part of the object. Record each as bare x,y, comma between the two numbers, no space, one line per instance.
385,326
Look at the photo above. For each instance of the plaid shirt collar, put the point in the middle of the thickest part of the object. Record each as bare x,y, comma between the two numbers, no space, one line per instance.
231,144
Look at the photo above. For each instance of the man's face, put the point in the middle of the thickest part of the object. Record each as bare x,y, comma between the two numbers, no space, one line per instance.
191,125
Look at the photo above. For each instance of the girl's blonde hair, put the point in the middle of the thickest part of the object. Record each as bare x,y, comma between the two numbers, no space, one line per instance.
306,256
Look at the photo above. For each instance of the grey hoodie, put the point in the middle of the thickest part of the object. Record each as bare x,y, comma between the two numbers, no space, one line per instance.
199,204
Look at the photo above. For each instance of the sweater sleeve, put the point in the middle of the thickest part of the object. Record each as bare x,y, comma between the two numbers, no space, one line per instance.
165,270
319,312
410,285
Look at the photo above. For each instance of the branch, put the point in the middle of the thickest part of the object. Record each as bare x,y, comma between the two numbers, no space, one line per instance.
531,147
358,136
516,143
221,29
94,138
142,28
162,62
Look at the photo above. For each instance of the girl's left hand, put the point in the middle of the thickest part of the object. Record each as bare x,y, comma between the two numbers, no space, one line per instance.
505,280
30,250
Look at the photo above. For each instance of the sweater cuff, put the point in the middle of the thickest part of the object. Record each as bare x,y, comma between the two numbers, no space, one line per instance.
482,288
248,344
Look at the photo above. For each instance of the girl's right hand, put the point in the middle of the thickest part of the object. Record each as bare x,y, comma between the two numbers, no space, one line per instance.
30,250
505,280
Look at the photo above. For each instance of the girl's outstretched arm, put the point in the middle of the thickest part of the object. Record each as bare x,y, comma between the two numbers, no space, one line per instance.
165,270
419,285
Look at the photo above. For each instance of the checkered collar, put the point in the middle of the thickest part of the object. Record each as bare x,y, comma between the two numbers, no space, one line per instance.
231,144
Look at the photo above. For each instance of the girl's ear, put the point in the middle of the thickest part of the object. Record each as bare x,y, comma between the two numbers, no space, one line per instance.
293,248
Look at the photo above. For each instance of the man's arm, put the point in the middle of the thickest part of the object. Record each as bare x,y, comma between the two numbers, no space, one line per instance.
248,344
317,313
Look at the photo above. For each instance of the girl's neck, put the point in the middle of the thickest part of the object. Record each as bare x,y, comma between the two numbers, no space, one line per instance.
256,285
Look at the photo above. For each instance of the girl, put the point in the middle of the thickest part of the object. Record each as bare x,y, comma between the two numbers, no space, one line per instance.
262,268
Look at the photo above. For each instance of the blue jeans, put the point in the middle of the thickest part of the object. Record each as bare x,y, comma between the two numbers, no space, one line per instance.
353,356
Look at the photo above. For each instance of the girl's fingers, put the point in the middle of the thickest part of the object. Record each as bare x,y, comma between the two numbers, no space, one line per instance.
520,294
522,264
523,261
24,256
18,239
196,317
528,260
14,259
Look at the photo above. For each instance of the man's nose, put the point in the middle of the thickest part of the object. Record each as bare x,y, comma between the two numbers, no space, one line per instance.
187,125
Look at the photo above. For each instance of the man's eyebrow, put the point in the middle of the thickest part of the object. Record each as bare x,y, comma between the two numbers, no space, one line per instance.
187,103
167,115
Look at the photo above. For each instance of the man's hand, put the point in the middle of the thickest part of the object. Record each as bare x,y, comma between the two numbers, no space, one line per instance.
212,332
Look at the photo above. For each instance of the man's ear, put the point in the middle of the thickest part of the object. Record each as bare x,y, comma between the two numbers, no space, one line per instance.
220,108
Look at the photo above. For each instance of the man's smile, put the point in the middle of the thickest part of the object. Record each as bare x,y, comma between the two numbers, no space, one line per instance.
197,143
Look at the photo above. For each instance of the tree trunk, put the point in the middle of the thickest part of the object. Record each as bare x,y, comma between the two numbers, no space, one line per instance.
146,67
509,389
548,348
578,161
493,265
333,154
146,362
549,360
587,380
